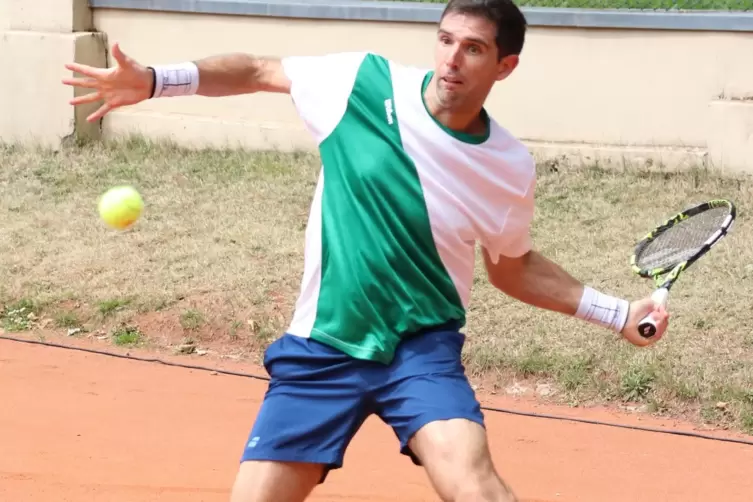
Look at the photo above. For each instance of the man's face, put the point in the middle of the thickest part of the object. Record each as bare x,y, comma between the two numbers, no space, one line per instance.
467,62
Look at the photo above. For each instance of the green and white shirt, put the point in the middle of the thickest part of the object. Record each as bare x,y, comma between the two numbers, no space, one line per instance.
399,205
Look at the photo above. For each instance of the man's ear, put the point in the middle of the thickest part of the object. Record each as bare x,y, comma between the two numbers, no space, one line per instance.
506,66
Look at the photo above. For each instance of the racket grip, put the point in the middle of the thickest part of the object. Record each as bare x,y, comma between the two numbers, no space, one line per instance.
647,326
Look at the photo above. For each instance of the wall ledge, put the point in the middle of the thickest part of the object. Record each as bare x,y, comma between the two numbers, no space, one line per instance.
416,12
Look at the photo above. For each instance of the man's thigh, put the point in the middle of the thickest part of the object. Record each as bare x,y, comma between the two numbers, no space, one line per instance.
456,456
312,408
264,481
426,383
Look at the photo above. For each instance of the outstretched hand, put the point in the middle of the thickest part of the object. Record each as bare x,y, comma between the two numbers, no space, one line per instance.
127,83
638,310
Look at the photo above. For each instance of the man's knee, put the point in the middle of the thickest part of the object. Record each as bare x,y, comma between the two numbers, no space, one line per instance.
488,488
456,456
263,481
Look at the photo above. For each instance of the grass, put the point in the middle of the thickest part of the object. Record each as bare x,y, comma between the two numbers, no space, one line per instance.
217,259
713,5
127,336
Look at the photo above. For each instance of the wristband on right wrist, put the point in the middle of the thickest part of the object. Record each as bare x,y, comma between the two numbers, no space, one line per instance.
154,81
174,80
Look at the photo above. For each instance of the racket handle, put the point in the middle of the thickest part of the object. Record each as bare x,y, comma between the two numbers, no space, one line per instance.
647,327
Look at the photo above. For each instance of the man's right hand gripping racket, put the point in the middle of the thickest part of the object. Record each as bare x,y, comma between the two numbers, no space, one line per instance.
669,249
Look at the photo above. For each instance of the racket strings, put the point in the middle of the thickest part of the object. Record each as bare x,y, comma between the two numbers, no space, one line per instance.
683,240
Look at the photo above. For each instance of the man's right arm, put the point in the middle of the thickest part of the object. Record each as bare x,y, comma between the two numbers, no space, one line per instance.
130,82
232,74
318,85
219,75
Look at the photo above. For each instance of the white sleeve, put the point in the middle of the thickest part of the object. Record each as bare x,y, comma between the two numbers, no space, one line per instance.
514,238
320,88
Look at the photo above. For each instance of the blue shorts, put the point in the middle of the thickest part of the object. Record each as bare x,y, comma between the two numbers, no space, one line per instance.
318,397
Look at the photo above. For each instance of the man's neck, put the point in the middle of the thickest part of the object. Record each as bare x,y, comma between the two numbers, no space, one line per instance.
468,121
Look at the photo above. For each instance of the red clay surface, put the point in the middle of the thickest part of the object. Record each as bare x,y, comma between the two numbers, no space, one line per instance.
76,426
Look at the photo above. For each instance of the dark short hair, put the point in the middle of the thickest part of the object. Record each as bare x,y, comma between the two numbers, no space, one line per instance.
510,22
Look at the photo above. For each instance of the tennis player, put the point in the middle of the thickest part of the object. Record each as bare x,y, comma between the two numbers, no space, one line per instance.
414,173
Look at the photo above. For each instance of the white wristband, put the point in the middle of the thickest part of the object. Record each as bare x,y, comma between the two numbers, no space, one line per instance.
175,80
603,310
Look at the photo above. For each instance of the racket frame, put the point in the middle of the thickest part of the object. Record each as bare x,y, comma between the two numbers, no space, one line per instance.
665,277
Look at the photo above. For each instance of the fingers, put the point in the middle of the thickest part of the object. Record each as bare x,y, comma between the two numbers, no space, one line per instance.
87,83
119,55
660,314
87,98
661,317
121,58
101,112
89,71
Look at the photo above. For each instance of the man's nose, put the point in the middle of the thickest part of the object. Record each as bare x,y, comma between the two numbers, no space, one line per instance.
453,57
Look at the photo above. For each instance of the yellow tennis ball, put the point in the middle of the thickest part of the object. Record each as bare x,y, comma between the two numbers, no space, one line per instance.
120,207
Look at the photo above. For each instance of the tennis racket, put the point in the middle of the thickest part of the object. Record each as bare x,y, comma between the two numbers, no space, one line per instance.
669,249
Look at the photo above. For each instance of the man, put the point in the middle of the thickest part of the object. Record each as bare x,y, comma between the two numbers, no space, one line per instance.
415,172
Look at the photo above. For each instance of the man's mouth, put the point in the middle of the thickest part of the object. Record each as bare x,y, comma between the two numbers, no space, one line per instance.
451,82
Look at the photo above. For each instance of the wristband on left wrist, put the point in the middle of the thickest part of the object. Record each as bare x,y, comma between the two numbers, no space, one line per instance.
603,310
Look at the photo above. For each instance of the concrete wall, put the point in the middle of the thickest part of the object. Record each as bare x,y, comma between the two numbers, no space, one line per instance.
665,88
36,39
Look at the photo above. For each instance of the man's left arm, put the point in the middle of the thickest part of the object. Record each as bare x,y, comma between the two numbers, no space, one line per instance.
534,279
516,269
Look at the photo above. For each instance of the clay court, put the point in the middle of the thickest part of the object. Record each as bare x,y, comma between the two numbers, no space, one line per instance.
80,426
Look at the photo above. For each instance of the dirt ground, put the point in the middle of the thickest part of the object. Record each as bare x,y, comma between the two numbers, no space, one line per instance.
77,426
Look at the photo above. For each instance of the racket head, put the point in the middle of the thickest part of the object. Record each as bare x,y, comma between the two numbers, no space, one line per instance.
679,241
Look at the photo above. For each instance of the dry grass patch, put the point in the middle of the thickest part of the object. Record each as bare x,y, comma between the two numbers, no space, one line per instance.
217,250
216,261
